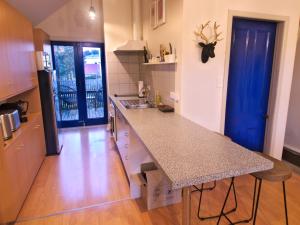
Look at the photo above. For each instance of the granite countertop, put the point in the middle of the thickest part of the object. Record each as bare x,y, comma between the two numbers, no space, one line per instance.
188,153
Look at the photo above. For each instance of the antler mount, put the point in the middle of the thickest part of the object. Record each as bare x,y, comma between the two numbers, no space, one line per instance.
214,38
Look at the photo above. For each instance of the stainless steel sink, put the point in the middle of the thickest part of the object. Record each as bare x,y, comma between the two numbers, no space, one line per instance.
137,104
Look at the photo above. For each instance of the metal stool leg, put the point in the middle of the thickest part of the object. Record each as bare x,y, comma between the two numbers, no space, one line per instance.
226,199
285,204
200,200
257,202
216,216
253,206
196,189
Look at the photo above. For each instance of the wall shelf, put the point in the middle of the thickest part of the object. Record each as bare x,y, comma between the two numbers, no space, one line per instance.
159,63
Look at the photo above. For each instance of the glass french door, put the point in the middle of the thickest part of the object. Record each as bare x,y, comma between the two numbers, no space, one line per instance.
79,83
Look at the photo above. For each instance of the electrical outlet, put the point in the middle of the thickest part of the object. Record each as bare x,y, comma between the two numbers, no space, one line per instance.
174,96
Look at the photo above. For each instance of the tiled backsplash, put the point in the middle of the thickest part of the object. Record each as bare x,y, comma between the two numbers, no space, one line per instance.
123,73
125,70
161,78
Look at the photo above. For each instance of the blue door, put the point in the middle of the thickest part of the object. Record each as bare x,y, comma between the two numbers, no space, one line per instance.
250,71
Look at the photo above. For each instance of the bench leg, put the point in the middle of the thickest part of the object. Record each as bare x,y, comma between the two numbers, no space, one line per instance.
257,202
226,199
215,216
186,206
285,204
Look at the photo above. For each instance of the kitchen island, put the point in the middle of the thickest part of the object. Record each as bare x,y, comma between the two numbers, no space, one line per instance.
187,153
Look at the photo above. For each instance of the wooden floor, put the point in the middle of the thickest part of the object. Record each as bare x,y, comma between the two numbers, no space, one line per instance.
89,172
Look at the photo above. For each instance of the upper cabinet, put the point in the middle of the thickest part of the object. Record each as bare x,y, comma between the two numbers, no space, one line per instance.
17,56
41,40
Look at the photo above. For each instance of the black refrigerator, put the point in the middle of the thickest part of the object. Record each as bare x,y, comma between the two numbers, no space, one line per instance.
48,109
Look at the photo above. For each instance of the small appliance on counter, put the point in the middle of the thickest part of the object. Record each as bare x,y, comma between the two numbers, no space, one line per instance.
165,108
13,118
20,106
5,127
141,89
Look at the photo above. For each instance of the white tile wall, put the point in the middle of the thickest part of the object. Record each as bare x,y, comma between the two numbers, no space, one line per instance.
161,78
124,71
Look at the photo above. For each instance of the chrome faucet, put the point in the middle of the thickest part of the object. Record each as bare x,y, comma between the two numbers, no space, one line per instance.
146,93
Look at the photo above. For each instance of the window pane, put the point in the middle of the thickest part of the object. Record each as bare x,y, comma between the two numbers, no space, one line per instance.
65,84
93,82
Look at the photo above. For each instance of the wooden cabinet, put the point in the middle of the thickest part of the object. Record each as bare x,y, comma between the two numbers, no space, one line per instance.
41,40
20,161
21,156
5,84
13,180
17,56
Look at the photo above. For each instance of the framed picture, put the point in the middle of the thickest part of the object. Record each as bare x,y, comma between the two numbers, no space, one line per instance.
161,12
153,14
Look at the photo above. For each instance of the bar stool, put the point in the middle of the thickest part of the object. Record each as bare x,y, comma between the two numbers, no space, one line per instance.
280,173
211,188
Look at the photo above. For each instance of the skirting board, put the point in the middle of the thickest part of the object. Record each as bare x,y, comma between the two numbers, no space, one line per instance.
291,155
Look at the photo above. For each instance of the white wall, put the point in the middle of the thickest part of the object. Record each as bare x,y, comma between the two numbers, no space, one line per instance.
202,84
164,78
71,22
123,71
117,22
292,136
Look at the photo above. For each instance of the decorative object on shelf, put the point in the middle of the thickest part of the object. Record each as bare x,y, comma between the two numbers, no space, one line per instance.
170,57
92,12
166,56
171,48
146,55
163,52
208,44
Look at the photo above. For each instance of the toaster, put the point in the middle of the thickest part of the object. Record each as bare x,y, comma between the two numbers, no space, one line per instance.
13,117
5,127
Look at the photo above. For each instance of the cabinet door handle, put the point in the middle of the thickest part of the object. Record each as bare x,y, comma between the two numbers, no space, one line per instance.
126,134
126,145
37,126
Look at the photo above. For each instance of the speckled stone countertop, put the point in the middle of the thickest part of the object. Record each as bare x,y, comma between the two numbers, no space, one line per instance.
186,152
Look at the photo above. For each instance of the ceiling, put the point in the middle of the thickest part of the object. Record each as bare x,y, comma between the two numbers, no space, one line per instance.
37,10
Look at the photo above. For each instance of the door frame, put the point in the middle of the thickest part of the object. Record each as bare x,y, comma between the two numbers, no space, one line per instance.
79,68
270,142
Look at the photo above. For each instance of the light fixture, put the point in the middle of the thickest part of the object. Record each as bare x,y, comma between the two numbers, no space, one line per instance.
92,12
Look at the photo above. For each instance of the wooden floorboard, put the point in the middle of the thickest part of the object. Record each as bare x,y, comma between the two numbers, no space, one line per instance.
89,172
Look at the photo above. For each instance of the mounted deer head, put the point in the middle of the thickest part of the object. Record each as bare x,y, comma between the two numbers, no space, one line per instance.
208,44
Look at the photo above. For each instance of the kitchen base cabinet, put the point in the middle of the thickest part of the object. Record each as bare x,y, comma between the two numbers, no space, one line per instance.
20,161
122,139
132,151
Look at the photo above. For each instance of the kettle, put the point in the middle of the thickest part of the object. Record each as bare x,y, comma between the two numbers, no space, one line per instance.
5,127
21,106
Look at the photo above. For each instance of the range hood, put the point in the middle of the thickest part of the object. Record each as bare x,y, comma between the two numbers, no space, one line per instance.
135,45
131,46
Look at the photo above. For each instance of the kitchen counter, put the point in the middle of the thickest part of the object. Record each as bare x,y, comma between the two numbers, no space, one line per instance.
186,152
